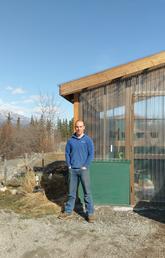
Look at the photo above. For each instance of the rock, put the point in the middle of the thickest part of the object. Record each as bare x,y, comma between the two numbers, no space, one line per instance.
3,189
13,191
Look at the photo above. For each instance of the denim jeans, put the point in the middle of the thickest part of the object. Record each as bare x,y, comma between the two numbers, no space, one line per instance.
76,176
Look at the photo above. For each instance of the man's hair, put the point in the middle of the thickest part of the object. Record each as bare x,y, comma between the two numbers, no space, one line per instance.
79,121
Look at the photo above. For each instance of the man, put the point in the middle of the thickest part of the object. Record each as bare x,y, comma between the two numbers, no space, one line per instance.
79,153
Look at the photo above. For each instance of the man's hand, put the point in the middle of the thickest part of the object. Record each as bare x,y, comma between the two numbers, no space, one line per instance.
83,168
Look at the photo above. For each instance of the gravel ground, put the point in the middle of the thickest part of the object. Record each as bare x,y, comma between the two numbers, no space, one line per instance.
114,234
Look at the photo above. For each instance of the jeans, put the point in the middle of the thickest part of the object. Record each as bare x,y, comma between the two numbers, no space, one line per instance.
76,176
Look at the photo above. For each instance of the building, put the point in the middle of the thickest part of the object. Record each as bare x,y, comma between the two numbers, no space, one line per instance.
124,112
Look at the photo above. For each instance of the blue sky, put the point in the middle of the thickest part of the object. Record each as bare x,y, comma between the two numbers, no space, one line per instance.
46,42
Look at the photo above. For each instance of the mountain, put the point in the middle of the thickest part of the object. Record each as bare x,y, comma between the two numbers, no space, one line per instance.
14,116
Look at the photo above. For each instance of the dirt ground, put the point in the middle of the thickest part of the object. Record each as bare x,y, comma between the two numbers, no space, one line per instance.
115,233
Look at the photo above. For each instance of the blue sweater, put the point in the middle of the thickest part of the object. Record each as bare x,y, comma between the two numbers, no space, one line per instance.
79,152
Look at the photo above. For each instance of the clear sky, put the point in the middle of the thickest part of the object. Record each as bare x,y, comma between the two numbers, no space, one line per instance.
47,42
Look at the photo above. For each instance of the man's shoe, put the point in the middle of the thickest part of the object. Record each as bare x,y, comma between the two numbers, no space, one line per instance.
65,215
91,218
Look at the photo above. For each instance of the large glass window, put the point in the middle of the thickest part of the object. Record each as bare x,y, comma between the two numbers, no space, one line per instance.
103,110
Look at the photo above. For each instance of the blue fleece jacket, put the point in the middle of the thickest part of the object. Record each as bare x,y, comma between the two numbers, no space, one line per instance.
79,152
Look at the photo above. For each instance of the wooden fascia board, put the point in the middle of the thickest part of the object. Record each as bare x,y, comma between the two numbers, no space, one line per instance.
107,76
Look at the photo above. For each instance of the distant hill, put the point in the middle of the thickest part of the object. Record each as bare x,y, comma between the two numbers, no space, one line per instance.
14,116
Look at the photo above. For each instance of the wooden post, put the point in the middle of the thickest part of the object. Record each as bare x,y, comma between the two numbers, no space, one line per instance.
43,159
132,192
76,107
5,172
129,117
26,161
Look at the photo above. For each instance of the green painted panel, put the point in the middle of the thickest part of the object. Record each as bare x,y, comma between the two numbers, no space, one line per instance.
110,182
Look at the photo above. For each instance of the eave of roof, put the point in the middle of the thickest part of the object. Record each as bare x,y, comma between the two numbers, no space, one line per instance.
101,78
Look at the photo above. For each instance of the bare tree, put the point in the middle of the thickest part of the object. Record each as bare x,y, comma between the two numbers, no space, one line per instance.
49,108
49,112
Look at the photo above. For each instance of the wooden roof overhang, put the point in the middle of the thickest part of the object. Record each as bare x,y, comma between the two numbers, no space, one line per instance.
68,89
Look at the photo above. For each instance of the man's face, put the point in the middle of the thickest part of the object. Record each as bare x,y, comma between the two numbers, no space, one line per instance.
79,128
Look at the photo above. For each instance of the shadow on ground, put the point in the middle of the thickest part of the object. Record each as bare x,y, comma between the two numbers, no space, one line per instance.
151,210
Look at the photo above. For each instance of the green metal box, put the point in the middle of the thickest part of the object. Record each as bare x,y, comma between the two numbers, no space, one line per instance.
110,182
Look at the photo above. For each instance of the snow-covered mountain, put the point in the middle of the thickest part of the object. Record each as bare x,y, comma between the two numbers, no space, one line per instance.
14,116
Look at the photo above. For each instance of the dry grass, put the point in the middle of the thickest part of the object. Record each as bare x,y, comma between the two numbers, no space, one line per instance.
36,205
28,182
26,202
31,204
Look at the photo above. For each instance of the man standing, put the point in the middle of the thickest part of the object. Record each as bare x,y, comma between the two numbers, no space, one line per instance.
79,153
